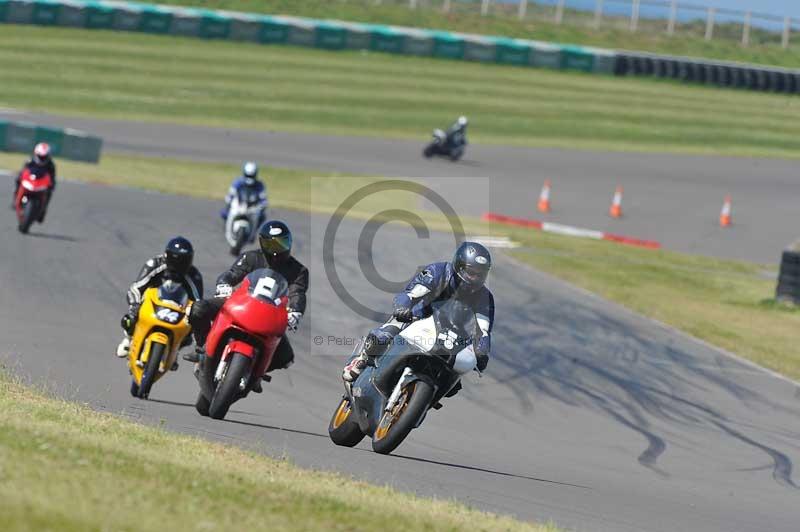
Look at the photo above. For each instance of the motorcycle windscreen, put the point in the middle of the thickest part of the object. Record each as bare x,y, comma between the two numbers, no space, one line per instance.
173,292
259,306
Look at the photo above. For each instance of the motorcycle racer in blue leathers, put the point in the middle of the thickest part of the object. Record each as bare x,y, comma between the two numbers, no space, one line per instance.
249,183
463,278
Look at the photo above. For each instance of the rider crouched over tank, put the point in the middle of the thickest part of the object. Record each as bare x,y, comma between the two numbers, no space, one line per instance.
275,241
175,264
462,279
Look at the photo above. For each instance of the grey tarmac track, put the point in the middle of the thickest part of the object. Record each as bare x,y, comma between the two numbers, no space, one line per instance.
588,416
674,199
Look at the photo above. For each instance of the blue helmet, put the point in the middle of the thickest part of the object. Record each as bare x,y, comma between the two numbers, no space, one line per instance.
471,264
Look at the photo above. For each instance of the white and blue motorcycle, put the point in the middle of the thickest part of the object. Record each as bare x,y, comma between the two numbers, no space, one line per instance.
247,211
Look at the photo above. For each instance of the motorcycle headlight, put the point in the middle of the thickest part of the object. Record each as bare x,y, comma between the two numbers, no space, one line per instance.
27,185
168,315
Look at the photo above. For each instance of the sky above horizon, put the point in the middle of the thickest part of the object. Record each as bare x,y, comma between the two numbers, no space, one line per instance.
776,7
772,7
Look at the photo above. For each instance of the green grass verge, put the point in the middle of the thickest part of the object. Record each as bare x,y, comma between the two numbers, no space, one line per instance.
651,36
726,303
157,78
66,467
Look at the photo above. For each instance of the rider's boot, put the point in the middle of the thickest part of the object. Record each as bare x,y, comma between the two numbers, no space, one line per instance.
365,358
197,356
124,347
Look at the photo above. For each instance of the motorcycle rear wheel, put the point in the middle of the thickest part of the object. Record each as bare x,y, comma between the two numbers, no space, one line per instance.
151,370
228,390
394,426
343,428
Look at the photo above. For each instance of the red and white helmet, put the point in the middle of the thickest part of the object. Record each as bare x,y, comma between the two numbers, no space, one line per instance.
41,153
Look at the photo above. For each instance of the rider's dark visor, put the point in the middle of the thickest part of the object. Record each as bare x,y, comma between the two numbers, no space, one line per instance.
474,274
276,245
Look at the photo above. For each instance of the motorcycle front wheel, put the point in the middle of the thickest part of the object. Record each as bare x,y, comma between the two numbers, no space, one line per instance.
229,389
395,425
241,240
29,213
343,428
151,369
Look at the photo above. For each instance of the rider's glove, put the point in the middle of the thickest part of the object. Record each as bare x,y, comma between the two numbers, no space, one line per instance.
483,361
294,320
403,314
127,322
223,290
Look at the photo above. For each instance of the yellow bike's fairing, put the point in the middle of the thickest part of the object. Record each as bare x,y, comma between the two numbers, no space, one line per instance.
161,322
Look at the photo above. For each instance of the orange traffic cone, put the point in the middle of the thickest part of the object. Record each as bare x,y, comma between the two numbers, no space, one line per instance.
544,197
725,219
616,204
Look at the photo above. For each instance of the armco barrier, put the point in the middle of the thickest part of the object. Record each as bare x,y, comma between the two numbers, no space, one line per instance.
340,35
67,143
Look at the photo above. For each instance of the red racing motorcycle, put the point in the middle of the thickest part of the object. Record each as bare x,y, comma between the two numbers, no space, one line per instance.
242,341
31,198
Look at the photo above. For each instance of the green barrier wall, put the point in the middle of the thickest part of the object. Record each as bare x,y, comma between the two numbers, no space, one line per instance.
54,137
3,128
98,16
65,143
273,31
46,13
512,52
330,35
338,35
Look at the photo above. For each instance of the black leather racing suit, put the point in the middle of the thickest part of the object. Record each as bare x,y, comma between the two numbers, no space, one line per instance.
152,275
204,312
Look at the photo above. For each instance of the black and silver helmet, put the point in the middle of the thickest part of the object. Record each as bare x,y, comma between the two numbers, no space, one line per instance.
179,255
275,240
471,265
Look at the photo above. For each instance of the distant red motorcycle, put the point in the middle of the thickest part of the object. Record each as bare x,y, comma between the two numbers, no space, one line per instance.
242,341
31,198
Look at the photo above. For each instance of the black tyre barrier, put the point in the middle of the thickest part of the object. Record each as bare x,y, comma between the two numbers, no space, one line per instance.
688,72
621,65
698,71
713,74
778,81
725,75
661,68
702,72
791,82
788,289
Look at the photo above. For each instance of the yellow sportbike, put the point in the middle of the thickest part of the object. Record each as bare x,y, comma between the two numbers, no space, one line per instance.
159,333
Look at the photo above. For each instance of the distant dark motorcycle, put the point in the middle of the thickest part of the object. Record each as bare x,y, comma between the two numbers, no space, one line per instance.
423,364
445,146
